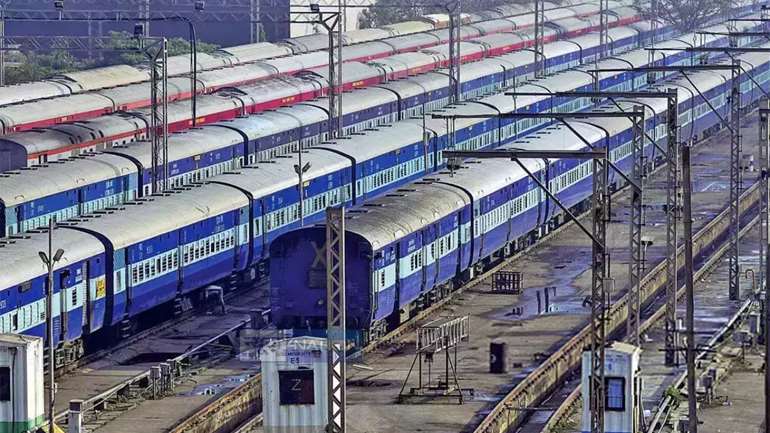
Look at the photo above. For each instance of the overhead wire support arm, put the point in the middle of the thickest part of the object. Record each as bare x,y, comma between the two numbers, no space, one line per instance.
752,34
554,116
634,185
599,264
609,95
735,146
707,101
598,235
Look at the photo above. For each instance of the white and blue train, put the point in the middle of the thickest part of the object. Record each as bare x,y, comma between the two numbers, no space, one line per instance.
120,262
68,188
410,247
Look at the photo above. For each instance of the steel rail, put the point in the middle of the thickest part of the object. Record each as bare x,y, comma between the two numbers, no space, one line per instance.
664,409
511,411
199,422
245,412
94,401
566,407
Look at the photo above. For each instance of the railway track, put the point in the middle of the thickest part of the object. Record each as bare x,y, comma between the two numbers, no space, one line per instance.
242,404
191,358
567,407
512,410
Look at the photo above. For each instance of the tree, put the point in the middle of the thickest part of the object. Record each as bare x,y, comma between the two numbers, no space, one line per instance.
122,49
685,15
402,10
393,11
125,46
36,66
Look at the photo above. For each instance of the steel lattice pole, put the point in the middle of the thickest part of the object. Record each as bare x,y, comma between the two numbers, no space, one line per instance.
764,224
690,289
539,36
600,281
603,24
338,85
455,24
2,43
49,322
159,117
735,181
672,215
635,231
145,14
764,145
335,318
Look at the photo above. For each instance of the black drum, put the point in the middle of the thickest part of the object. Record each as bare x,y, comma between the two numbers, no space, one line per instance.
497,355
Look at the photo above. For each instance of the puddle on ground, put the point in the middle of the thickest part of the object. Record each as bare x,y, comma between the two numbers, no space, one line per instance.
562,294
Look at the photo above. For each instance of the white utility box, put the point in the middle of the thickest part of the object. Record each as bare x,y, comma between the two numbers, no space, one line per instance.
21,383
623,386
294,385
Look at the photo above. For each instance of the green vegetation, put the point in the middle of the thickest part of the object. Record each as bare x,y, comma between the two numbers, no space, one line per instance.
394,11
121,49
125,49
33,66
684,14
687,15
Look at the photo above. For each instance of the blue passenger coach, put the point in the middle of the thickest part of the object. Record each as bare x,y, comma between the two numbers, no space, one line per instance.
400,271
158,250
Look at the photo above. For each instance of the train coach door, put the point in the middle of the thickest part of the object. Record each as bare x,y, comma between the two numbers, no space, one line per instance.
428,237
478,231
87,297
241,230
63,310
542,198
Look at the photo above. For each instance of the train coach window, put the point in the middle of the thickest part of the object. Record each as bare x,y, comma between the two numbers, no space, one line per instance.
5,384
